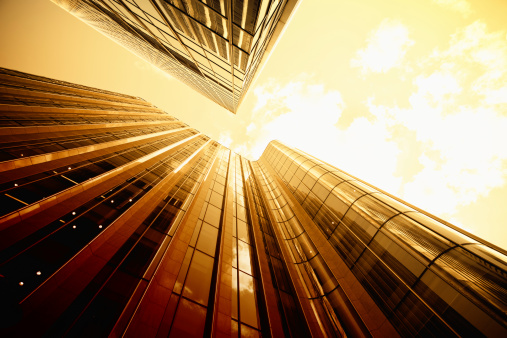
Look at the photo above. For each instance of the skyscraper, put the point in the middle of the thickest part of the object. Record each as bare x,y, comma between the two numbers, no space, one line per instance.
213,46
118,219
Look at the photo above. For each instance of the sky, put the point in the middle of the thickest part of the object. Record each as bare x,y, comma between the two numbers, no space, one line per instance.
408,95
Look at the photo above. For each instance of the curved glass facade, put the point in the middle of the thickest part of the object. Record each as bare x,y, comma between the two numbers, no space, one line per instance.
425,276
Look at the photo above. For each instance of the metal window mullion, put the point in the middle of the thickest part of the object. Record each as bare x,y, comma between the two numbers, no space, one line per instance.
184,46
215,279
231,53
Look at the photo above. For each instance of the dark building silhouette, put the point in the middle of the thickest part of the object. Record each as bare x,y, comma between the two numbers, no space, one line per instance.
213,46
118,219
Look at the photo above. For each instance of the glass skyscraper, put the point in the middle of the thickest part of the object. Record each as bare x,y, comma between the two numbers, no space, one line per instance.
118,219
213,46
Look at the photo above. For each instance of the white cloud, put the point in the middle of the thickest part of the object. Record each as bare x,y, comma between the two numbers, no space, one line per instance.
304,115
293,112
461,6
241,149
438,85
455,120
471,145
225,139
467,133
387,45
251,127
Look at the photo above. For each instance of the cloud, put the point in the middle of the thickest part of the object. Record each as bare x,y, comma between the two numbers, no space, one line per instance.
251,127
457,111
448,136
304,114
294,112
386,47
461,6
225,139
437,86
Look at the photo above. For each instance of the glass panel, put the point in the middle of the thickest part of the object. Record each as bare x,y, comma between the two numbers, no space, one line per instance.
347,192
197,229
216,199
455,309
248,332
426,242
189,320
321,191
373,210
241,213
295,226
234,300
385,288
198,281
183,271
360,226
243,231
244,257
393,203
478,280
207,239
325,276
441,229
213,216
396,258
330,180
307,246
248,305
348,246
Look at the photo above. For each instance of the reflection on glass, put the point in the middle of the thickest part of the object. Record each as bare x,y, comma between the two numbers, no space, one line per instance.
234,301
216,199
183,271
197,229
440,228
198,281
424,241
248,305
243,231
212,216
207,239
189,320
248,332
245,263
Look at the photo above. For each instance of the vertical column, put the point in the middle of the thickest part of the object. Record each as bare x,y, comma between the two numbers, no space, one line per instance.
248,308
177,298
219,321
266,280
317,324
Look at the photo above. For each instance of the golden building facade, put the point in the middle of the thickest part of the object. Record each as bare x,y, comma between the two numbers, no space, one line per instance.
117,219
215,47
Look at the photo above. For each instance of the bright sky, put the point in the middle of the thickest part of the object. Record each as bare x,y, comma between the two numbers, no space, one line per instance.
410,96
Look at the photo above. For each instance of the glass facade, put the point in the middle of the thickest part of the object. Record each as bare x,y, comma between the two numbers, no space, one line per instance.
213,46
117,219
425,276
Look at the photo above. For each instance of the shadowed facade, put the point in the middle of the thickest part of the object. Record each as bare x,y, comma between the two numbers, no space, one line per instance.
118,219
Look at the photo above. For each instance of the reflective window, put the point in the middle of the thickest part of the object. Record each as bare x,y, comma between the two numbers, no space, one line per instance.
248,305
207,239
212,216
243,231
189,320
417,237
197,284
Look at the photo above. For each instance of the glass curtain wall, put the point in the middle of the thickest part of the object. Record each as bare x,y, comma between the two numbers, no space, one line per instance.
425,276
